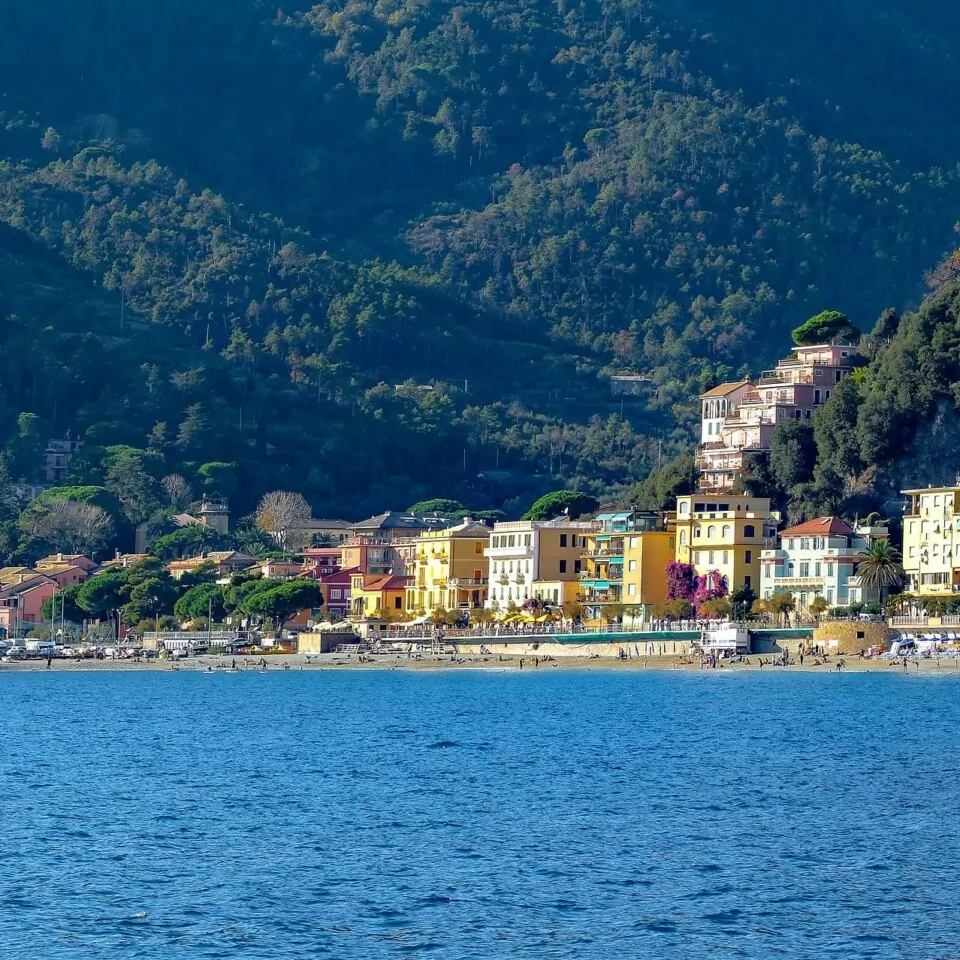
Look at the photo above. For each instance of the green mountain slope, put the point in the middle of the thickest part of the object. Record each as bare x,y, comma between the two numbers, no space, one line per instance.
393,245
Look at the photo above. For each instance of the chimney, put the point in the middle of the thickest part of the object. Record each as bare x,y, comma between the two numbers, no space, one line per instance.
59,558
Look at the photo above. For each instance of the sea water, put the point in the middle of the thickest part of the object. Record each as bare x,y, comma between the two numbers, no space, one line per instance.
479,815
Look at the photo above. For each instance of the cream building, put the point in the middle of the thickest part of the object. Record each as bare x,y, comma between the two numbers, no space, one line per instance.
931,541
529,559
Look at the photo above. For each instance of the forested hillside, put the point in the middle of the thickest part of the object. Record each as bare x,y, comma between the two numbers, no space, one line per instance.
370,250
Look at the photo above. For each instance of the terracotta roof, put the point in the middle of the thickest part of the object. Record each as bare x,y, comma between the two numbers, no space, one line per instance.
822,526
391,582
724,388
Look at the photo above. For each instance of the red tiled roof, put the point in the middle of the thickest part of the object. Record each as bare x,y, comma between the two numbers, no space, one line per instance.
821,527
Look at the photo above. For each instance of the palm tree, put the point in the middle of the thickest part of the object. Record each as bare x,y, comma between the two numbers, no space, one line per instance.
880,567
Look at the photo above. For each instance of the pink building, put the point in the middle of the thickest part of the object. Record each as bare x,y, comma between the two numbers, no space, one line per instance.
22,599
738,419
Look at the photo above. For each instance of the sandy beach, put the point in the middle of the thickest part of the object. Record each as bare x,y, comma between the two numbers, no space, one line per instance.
300,662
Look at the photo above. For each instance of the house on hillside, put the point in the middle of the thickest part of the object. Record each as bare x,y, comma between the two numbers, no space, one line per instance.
738,419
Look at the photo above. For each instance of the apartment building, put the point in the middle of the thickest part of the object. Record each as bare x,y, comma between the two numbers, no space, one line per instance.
725,532
535,560
931,541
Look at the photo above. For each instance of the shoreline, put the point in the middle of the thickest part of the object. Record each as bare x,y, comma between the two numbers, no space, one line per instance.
332,662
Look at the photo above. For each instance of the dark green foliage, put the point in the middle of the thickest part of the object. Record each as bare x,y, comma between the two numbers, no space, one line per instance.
281,601
200,601
189,541
661,489
373,252
829,326
571,503
71,610
793,453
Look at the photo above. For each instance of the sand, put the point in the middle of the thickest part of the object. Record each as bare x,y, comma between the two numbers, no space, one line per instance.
489,662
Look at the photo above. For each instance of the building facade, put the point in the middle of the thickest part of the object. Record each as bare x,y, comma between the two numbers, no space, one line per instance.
738,419
819,558
725,532
625,564
452,571
931,541
528,558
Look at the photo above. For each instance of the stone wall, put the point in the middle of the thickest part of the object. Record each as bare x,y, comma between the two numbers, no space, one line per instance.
852,636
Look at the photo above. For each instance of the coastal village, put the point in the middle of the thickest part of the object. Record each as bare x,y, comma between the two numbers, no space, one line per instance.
715,573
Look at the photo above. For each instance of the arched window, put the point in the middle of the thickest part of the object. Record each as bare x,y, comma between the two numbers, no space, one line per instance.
711,531
683,536
749,531
684,509
727,530
696,532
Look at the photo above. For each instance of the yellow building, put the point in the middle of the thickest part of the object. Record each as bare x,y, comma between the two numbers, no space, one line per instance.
451,569
525,554
931,542
377,595
725,532
625,564
646,555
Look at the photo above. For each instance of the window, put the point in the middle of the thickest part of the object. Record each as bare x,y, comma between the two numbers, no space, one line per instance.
631,589
684,509
749,530
563,566
632,566
478,547
696,533
577,566
913,526
710,558
726,556
528,540
711,531
829,569
746,581
913,551
398,603
816,394
563,539
727,531
839,376
335,593
805,544
804,569
633,543
748,556
683,536
817,569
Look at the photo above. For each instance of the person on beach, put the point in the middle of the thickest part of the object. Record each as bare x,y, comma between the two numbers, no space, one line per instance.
49,661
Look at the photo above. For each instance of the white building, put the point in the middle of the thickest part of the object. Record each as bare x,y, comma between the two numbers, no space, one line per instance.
718,404
525,553
819,559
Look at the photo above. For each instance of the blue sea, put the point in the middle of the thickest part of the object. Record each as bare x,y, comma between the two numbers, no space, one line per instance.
455,815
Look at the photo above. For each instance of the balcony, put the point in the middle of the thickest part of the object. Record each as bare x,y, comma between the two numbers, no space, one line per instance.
468,581
801,583
600,554
509,553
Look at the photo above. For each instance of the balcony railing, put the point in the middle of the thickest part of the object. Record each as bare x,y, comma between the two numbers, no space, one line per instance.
468,581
